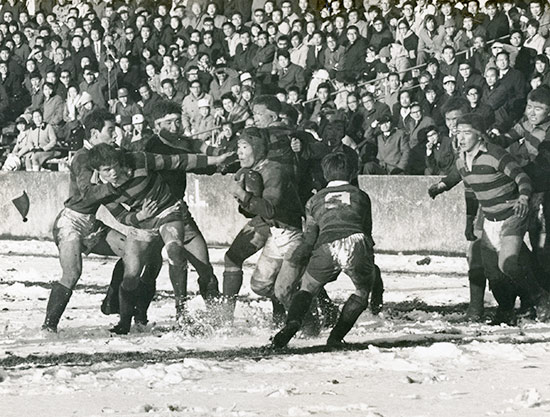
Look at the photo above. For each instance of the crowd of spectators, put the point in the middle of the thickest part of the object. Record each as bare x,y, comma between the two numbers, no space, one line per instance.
375,75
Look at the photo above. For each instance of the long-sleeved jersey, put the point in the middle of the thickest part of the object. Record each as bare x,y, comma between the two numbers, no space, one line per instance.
146,183
336,212
495,179
85,197
279,204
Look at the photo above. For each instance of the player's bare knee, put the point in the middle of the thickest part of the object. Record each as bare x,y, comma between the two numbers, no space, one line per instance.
362,296
264,289
175,253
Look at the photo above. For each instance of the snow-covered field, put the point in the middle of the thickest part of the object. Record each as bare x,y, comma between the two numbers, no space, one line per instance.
417,358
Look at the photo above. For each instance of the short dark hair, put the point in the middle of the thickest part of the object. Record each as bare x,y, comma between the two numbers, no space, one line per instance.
540,95
163,108
96,120
105,155
272,103
336,167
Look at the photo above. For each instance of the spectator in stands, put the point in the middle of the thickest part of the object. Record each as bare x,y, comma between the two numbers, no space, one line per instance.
170,93
541,14
124,106
233,112
414,122
496,23
41,141
467,78
16,158
289,74
534,39
92,86
473,95
393,149
52,107
440,155
430,39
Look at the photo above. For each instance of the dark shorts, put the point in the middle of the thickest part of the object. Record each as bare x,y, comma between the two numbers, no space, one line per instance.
352,255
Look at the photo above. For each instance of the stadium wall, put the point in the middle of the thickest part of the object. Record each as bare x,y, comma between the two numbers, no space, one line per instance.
405,218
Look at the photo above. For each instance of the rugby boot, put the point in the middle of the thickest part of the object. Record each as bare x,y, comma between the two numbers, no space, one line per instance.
505,295
59,298
232,281
542,307
329,310
145,294
127,303
279,313
208,287
110,302
351,311
376,297
301,303
476,308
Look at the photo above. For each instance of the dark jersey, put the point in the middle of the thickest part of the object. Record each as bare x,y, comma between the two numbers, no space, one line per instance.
148,184
279,204
337,212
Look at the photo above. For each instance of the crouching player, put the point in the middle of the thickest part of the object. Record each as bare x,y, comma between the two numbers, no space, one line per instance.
338,228
140,185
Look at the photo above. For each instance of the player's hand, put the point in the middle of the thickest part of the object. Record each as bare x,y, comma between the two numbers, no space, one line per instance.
469,231
148,209
436,189
236,188
397,171
296,145
521,207
220,159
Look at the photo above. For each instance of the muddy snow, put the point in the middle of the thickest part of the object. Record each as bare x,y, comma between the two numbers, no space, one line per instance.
417,358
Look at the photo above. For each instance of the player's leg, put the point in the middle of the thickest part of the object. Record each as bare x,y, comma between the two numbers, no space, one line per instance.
377,294
68,231
70,258
147,283
500,285
135,257
321,269
477,282
359,266
514,260
113,244
249,241
173,236
196,252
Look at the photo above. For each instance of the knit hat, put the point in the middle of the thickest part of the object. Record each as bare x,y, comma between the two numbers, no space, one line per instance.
257,139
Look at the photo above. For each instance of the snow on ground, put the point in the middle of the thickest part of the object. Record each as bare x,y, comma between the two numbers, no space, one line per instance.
417,358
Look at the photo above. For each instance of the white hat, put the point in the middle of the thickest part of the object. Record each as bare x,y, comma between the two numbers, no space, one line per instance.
203,102
322,74
84,98
245,76
449,78
137,119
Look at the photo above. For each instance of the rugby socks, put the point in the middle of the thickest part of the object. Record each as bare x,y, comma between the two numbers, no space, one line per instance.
376,297
127,301
232,281
301,303
110,303
477,281
145,294
279,313
59,298
353,308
